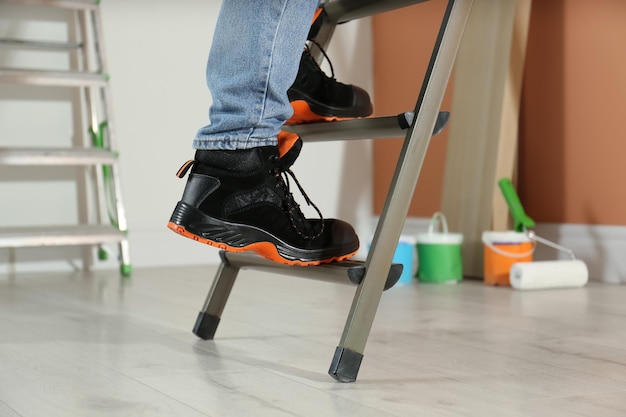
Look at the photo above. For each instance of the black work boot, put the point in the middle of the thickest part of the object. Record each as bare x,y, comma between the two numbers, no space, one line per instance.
240,201
315,97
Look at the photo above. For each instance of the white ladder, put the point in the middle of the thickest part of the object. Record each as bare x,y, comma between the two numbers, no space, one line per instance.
102,219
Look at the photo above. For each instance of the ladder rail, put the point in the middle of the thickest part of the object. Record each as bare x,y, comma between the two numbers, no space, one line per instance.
98,53
346,361
89,92
86,54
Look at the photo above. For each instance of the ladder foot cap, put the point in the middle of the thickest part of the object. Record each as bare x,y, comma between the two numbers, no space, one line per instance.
206,326
345,365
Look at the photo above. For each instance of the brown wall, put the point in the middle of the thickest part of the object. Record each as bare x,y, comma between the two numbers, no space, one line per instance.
572,129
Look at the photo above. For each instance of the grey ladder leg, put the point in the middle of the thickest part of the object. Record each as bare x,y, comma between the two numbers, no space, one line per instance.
348,355
211,313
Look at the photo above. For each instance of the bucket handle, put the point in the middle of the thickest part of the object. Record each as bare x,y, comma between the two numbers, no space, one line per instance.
509,254
440,219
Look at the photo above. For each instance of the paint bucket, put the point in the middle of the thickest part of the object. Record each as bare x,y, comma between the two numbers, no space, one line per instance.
501,251
439,253
406,255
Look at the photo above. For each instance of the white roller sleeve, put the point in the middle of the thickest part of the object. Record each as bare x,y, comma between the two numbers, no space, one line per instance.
548,274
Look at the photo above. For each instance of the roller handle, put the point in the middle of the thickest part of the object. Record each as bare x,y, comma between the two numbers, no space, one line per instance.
521,221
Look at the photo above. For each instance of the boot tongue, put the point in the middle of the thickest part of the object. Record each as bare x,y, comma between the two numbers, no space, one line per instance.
318,21
289,147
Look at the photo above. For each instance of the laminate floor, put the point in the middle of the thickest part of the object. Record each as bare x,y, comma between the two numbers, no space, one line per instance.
88,346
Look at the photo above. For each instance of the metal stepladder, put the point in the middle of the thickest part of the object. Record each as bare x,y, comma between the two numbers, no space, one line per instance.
377,273
93,150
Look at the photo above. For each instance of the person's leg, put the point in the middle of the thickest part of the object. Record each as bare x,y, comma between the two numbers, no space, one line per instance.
253,61
237,197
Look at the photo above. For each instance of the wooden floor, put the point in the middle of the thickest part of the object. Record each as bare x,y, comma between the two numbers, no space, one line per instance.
93,346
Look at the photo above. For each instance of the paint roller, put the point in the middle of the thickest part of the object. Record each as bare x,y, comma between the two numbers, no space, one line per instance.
535,275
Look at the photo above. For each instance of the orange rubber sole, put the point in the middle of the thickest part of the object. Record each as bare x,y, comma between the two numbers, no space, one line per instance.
264,249
302,113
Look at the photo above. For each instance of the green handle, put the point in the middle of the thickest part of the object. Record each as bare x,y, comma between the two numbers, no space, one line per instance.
98,141
97,137
520,220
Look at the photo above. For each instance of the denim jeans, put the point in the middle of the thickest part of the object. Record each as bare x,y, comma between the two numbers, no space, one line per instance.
253,61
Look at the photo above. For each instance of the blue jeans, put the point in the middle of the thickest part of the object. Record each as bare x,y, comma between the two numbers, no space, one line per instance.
253,61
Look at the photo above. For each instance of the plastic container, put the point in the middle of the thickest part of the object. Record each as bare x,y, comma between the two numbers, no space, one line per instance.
406,255
501,251
439,253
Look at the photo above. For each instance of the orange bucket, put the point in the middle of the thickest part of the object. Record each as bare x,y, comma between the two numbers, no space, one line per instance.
502,250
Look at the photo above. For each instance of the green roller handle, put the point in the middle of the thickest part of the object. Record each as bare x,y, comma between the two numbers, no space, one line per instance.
521,221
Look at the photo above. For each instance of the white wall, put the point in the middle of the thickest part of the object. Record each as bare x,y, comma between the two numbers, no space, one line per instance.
157,54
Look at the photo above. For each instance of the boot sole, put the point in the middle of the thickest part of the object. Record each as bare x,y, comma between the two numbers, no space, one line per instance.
302,113
234,237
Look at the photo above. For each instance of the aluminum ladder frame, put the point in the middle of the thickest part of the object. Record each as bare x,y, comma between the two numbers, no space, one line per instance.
377,273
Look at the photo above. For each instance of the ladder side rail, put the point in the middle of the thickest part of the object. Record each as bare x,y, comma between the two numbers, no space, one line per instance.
90,92
360,319
89,54
84,192
105,95
86,55
110,133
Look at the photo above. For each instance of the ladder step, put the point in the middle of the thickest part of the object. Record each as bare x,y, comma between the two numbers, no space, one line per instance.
52,78
367,128
56,156
65,4
342,11
27,43
346,272
31,236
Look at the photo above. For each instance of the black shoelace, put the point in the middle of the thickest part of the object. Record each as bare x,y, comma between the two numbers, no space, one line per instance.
296,217
307,50
329,82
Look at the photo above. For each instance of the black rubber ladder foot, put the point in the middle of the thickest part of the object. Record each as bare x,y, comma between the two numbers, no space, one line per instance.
345,365
206,326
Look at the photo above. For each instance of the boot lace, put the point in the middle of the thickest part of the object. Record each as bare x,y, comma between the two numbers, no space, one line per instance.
296,217
328,81
307,50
